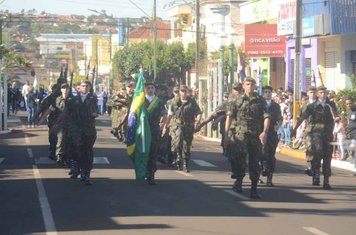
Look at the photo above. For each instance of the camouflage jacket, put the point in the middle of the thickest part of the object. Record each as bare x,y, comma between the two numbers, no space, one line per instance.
320,118
184,112
274,111
249,113
155,114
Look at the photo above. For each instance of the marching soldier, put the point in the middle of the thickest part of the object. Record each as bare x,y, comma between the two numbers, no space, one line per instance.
252,124
156,118
186,116
118,113
61,148
311,93
320,115
79,115
269,149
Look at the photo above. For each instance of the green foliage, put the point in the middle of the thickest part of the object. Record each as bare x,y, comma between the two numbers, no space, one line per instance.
12,60
172,60
349,92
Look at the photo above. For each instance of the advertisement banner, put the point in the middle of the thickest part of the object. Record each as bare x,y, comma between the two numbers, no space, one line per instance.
262,41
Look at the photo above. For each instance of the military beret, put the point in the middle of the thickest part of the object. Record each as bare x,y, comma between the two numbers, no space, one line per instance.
249,79
321,88
65,85
183,87
150,83
311,88
176,88
267,88
226,94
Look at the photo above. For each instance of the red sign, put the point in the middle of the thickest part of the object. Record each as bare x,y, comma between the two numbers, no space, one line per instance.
261,40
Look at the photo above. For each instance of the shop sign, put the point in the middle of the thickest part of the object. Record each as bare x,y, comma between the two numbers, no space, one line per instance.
286,17
261,40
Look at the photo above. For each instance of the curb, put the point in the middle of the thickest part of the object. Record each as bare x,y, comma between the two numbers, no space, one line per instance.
299,154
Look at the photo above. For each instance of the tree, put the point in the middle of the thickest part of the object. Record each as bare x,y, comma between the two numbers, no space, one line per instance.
12,59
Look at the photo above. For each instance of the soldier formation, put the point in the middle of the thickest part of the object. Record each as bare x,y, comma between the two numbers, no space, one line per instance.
249,125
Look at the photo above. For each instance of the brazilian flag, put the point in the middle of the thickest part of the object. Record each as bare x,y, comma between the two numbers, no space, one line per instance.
139,132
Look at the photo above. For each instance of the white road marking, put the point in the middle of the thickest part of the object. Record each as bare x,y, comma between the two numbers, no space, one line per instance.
97,160
1,159
45,207
27,140
30,153
235,194
315,231
101,160
203,163
184,173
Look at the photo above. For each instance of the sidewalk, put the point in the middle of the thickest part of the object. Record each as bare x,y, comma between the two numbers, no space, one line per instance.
15,122
295,153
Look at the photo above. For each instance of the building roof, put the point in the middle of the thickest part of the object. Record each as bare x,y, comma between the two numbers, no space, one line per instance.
64,37
145,31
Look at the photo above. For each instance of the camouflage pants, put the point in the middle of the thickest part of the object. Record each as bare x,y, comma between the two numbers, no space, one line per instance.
245,143
182,140
319,148
52,139
269,151
61,148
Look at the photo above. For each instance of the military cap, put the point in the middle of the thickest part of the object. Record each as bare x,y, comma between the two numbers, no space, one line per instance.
267,88
176,88
64,85
130,83
237,86
150,83
311,88
226,94
183,87
249,79
85,82
321,88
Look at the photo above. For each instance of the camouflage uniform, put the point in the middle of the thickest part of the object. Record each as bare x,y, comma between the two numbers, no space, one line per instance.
249,114
184,113
81,134
319,131
269,149
118,114
172,154
156,110
61,150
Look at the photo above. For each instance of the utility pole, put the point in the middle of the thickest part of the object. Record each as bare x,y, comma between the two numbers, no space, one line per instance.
1,87
154,41
297,67
197,38
232,65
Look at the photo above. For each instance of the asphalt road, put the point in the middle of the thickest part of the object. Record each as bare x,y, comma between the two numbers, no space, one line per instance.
39,198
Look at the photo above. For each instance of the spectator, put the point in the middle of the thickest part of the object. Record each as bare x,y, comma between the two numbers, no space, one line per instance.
339,136
100,97
287,126
24,91
31,106
14,97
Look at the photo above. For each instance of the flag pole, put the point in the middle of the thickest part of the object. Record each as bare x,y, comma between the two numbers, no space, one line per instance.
143,135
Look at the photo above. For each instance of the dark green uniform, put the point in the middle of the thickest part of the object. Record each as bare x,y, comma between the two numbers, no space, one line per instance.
182,125
156,110
249,114
269,149
81,134
319,131
61,150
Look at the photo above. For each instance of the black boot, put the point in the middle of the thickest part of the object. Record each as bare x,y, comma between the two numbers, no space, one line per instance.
326,184
308,170
264,168
85,177
254,194
74,171
269,180
179,163
186,166
151,179
316,178
237,186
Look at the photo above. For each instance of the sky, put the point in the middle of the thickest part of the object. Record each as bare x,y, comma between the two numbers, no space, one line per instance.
118,8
